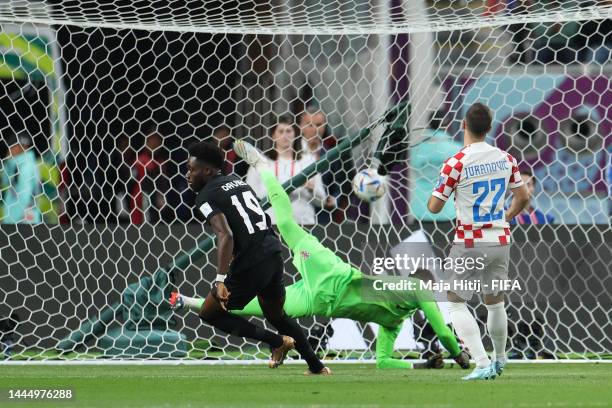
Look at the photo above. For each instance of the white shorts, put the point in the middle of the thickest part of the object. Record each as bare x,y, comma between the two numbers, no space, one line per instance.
488,264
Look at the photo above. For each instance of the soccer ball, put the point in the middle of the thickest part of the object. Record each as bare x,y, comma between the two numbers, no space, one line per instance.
369,185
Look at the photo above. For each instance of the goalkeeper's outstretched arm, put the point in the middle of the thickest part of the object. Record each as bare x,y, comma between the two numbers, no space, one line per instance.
446,336
385,342
435,319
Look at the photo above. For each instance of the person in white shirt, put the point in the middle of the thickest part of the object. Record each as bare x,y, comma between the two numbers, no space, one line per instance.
317,140
287,161
479,176
313,127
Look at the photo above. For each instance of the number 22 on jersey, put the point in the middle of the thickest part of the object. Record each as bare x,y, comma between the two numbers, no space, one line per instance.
488,186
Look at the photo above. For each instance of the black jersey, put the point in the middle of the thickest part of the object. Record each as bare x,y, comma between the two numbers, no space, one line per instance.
254,238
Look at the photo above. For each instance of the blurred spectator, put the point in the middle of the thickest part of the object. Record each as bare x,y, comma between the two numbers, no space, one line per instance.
49,203
426,159
20,182
492,7
594,39
317,140
555,43
520,33
89,189
122,160
8,336
233,163
287,161
148,195
531,215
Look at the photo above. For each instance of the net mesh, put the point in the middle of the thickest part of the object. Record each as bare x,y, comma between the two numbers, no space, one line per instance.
302,17
106,98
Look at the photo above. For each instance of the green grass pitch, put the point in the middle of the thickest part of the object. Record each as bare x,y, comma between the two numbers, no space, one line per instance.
522,385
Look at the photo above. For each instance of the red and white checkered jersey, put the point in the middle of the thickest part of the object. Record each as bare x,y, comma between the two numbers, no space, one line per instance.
480,175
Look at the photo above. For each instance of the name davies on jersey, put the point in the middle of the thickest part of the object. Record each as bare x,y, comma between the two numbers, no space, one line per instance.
448,285
233,184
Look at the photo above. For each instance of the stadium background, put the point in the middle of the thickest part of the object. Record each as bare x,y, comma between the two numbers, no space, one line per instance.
185,85
106,83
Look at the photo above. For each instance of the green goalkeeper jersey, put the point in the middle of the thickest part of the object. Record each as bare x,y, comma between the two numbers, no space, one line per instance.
352,302
359,300
336,289
331,287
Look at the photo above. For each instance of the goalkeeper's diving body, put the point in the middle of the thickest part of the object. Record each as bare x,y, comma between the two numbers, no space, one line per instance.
331,287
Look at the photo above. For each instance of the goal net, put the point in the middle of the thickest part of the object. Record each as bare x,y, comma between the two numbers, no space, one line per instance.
100,102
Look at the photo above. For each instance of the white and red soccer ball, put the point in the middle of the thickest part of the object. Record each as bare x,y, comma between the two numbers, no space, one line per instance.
368,185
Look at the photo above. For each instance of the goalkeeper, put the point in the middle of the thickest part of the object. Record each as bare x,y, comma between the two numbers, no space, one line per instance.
331,287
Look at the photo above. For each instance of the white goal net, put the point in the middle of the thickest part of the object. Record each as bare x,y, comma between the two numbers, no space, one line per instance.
100,100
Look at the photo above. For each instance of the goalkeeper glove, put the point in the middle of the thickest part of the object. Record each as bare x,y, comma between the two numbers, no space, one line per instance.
463,359
434,361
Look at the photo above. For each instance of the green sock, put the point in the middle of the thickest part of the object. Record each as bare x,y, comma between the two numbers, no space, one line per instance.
194,304
393,363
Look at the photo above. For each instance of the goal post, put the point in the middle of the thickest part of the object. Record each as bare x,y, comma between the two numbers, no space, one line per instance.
110,96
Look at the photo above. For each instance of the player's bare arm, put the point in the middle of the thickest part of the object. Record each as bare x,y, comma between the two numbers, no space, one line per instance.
520,200
435,204
225,245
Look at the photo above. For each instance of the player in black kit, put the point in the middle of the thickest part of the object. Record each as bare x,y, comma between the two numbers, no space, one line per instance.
249,261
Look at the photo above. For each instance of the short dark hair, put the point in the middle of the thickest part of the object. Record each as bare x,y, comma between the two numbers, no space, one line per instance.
478,119
207,152
285,119
10,138
21,138
222,128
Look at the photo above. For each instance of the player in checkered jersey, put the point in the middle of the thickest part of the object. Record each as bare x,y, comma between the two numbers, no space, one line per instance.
480,175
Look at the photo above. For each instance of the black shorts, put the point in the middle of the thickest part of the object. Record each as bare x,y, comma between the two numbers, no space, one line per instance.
263,279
